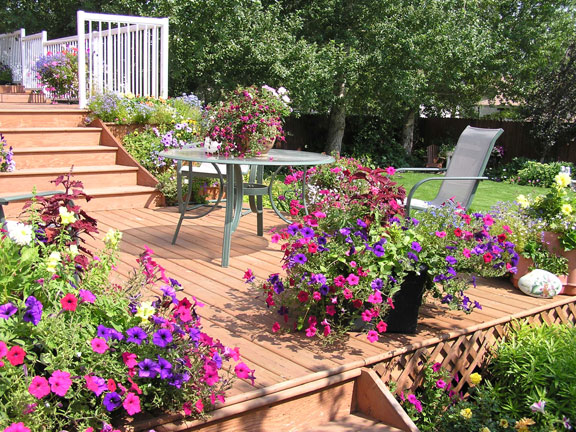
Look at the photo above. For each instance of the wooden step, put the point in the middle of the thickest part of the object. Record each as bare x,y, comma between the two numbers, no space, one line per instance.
33,98
23,181
52,137
111,198
26,158
49,116
13,88
327,403
354,423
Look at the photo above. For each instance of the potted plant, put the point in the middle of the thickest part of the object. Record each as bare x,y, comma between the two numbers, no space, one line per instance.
347,263
557,210
248,121
58,74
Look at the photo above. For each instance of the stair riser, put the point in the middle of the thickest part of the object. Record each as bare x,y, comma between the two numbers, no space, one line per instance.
49,139
14,184
109,202
22,98
64,159
11,89
41,119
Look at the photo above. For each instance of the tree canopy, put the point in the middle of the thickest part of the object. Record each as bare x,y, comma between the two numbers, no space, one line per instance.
389,58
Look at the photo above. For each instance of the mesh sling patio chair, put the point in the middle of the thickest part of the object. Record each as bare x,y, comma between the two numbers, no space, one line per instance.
464,172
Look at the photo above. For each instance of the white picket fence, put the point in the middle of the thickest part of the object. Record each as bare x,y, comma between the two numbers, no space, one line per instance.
122,54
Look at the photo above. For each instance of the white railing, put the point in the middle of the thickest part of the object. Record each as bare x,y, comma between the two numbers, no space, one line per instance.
32,50
123,54
11,53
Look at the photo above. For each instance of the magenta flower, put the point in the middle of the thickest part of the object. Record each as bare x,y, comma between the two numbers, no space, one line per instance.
60,382
131,403
86,296
39,387
69,302
352,279
372,336
17,427
243,372
441,384
95,384
99,345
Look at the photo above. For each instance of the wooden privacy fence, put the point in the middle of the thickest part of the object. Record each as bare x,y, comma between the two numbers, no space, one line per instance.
463,353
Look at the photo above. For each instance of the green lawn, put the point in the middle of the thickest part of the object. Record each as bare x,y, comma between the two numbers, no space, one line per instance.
488,193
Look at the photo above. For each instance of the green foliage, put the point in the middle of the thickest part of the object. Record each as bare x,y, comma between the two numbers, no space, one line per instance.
144,146
535,363
5,74
540,174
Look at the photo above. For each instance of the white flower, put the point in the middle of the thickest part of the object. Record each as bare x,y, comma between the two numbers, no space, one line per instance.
74,250
112,237
282,91
539,406
272,90
19,233
286,99
211,146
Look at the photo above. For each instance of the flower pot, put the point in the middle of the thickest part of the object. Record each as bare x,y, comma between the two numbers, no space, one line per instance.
523,267
404,317
211,193
552,242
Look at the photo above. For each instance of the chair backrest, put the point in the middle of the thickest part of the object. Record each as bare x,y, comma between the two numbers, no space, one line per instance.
469,160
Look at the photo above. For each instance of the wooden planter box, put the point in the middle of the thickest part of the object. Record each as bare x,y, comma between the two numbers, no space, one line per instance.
120,131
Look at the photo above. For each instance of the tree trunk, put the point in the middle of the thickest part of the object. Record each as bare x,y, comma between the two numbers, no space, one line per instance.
337,123
408,131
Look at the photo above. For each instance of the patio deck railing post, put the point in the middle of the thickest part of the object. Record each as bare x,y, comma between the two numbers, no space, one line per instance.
81,59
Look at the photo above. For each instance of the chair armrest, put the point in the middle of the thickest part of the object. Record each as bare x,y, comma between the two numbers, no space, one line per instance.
7,200
421,169
421,182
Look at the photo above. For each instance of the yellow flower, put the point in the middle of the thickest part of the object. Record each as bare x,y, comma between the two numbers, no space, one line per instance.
53,261
504,423
566,209
74,250
563,179
112,237
466,413
66,216
484,429
523,425
475,378
523,201
145,311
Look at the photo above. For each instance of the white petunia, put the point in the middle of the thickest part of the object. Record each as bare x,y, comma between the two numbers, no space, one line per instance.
19,233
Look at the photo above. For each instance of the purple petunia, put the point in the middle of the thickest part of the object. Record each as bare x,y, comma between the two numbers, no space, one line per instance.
412,256
416,247
361,223
307,232
112,401
162,338
33,313
378,250
104,332
169,291
377,284
292,229
7,310
136,335
164,368
451,260
300,258
86,296
345,231
148,369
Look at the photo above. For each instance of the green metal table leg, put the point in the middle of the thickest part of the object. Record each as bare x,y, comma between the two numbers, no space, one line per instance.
229,216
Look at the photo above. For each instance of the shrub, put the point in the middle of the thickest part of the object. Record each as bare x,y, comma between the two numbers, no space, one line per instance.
540,174
5,74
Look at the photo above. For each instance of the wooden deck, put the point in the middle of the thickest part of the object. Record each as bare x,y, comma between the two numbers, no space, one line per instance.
235,313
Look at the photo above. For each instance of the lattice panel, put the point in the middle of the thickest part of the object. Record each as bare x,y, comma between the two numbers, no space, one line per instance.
464,354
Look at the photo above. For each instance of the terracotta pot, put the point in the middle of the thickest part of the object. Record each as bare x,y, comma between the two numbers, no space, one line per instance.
245,146
211,192
523,267
552,242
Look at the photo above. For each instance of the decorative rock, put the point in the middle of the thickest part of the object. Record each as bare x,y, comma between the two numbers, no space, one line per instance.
540,283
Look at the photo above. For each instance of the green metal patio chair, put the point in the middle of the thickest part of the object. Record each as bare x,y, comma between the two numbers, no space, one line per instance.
464,172
7,200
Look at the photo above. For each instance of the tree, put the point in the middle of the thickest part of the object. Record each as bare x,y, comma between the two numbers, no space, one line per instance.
552,105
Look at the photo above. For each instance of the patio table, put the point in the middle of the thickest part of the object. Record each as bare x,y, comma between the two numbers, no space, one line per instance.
236,189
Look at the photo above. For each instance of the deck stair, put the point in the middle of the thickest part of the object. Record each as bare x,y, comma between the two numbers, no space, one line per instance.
50,140
352,401
17,94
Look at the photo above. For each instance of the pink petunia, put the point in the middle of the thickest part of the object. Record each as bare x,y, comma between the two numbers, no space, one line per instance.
199,406
440,234
275,238
347,294
131,403
390,171
466,252
17,427
275,327
69,302
243,372
375,298
87,296
39,387
129,359
60,382
352,279
382,327
311,331
372,336
99,345
330,310
3,349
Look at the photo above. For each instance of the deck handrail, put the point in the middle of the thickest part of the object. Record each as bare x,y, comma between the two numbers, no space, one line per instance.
122,54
